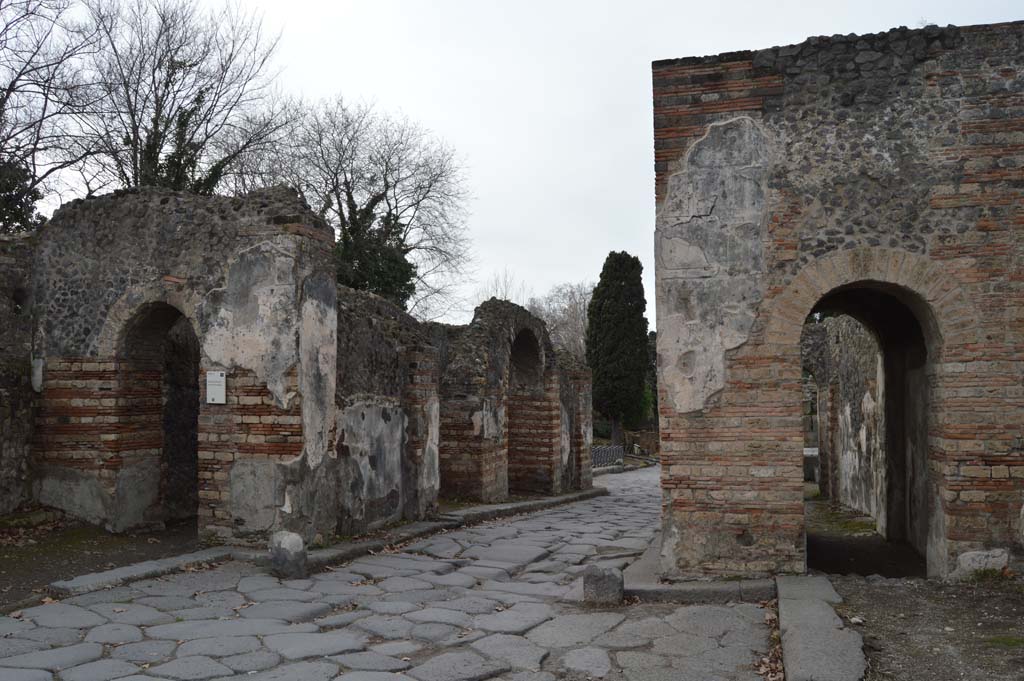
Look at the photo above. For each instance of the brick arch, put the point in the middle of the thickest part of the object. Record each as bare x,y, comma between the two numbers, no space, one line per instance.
493,437
936,295
125,309
938,301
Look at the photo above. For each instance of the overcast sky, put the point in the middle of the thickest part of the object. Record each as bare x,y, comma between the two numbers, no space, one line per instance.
549,103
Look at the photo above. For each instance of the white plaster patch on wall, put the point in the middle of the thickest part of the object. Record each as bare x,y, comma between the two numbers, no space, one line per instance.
318,359
374,437
488,422
252,320
709,259
429,470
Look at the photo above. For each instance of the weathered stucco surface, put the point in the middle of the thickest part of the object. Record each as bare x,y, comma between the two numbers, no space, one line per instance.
846,172
710,266
123,307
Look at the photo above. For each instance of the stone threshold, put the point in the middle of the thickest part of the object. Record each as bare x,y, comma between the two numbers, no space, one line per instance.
643,582
318,558
816,644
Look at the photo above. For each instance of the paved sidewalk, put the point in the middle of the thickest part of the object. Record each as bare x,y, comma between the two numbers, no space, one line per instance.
477,603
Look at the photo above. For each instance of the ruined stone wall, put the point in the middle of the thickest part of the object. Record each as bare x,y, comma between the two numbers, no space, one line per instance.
577,422
388,414
331,421
858,449
888,164
17,399
254,279
501,417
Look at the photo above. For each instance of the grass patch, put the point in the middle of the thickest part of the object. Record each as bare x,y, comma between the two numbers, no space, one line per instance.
1009,642
989,576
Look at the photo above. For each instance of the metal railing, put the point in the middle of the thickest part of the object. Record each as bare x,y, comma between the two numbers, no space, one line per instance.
606,455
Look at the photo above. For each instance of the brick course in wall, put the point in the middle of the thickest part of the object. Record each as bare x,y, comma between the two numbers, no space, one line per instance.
342,412
889,164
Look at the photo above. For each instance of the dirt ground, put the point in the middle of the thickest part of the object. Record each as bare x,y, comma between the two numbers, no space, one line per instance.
841,541
915,629
918,630
53,548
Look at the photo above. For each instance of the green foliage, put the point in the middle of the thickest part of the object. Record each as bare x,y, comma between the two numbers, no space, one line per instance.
617,340
171,158
18,198
652,378
372,256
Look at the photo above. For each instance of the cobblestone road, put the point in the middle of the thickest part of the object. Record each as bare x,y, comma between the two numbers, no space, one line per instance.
486,602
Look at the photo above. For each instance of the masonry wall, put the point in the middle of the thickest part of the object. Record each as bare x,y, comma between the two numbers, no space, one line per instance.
387,414
252,276
890,163
500,433
859,453
17,399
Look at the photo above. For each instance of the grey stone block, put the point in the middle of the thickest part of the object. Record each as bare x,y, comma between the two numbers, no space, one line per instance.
114,634
288,558
602,586
191,668
572,630
802,587
515,650
256,661
63,615
371,661
807,614
298,646
57,658
593,662
25,675
823,655
100,670
458,666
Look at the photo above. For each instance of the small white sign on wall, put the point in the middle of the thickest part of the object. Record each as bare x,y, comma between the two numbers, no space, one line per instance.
216,387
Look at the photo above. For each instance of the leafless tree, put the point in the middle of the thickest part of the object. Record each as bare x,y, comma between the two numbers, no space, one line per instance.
184,92
564,310
354,164
504,285
42,89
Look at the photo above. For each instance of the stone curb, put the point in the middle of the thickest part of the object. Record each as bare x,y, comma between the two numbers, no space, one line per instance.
816,644
739,591
318,558
478,514
642,581
128,573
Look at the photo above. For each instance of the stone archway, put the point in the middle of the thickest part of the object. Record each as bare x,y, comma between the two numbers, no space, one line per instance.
918,315
158,403
527,418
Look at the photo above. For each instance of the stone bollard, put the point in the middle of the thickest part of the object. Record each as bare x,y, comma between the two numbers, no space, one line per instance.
602,586
288,556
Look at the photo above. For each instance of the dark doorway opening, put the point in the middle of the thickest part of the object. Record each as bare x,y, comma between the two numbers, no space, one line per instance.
869,508
525,414
160,369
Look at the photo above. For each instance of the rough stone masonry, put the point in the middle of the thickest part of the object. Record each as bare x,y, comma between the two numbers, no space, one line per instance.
167,355
878,176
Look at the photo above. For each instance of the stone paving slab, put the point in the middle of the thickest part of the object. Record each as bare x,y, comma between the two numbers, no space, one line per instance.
816,646
475,603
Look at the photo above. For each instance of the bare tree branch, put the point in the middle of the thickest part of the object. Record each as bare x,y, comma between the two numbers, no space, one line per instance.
184,92
351,163
42,91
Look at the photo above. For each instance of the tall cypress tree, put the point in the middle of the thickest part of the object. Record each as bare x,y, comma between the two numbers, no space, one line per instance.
617,342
